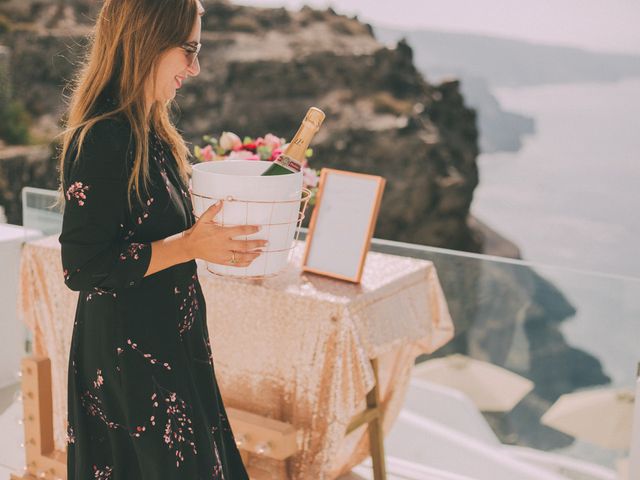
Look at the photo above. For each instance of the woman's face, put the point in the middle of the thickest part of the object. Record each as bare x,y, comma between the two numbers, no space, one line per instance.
173,68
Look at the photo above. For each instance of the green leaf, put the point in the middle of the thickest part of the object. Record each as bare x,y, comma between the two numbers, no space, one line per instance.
264,152
313,197
309,153
247,140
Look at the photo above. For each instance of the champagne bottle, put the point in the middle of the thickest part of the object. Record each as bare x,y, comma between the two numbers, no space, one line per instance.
290,161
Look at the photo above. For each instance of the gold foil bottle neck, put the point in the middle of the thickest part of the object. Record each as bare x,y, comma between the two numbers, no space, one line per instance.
315,116
302,139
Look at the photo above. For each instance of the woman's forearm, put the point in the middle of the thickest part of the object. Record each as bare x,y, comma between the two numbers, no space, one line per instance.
168,252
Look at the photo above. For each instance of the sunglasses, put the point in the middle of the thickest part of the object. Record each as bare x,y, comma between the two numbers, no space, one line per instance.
192,49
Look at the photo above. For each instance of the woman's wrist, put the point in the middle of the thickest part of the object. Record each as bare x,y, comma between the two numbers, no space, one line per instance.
169,251
185,245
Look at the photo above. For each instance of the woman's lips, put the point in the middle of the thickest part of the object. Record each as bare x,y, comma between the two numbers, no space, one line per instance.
178,82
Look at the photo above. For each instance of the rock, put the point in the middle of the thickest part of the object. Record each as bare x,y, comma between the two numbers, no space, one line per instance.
21,166
262,69
493,243
502,131
41,65
49,14
14,119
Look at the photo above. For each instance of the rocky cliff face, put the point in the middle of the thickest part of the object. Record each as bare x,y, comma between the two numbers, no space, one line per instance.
19,166
261,70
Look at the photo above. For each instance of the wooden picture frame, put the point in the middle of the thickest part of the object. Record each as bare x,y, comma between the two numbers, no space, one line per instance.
342,224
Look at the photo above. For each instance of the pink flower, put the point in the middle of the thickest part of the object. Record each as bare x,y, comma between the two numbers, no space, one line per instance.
229,141
207,153
99,379
272,141
243,155
310,177
78,192
276,153
260,142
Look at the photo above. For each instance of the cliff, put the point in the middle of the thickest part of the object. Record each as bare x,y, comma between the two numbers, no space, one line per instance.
261,69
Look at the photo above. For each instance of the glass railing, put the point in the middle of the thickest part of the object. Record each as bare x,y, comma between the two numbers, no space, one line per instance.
564,330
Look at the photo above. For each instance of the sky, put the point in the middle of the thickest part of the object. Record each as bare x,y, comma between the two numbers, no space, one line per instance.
600,25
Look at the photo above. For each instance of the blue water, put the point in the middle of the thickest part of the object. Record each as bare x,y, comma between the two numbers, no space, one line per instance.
571,196
570,199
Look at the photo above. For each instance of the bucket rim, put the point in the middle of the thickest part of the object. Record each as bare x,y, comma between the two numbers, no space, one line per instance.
199,167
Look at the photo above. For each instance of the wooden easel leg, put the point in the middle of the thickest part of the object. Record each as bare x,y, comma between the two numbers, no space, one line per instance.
373,416
376,434
42,460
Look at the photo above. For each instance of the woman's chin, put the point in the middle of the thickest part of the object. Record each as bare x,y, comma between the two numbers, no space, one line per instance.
170,96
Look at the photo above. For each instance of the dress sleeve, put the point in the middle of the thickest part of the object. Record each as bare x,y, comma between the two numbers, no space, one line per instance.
95,253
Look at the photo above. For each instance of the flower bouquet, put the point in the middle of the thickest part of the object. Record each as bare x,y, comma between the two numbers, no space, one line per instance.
230,147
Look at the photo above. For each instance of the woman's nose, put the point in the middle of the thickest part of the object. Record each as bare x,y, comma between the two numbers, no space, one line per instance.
194,70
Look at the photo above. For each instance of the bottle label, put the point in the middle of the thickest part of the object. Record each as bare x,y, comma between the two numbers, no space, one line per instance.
289,163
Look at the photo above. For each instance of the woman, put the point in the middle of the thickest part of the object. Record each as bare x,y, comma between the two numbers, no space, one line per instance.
143,400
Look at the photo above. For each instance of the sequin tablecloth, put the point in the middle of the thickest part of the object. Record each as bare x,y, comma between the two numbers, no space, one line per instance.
295,348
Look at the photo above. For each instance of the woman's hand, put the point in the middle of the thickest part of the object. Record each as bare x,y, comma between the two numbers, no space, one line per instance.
215,244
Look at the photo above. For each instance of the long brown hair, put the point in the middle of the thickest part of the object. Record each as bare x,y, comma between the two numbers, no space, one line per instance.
128,39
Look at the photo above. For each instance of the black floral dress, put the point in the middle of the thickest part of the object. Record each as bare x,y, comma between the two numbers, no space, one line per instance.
143,399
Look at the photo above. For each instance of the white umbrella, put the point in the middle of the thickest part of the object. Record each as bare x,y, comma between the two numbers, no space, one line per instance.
601,416
490,387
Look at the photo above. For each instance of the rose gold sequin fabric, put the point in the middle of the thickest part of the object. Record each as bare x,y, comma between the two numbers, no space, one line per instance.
295,348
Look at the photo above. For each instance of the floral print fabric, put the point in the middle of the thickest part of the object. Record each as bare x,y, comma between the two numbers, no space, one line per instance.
143,399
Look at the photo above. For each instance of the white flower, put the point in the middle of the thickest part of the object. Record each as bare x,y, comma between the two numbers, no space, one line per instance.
272,141
229,141
243,155
310,177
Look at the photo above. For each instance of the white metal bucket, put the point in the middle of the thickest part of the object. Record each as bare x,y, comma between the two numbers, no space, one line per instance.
272,202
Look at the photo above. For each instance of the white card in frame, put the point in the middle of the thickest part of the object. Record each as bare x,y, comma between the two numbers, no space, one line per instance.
342,224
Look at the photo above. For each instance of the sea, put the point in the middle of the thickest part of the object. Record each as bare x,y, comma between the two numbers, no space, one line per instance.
571,196
570,199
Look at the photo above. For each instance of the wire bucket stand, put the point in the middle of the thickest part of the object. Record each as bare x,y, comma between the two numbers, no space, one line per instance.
296,223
